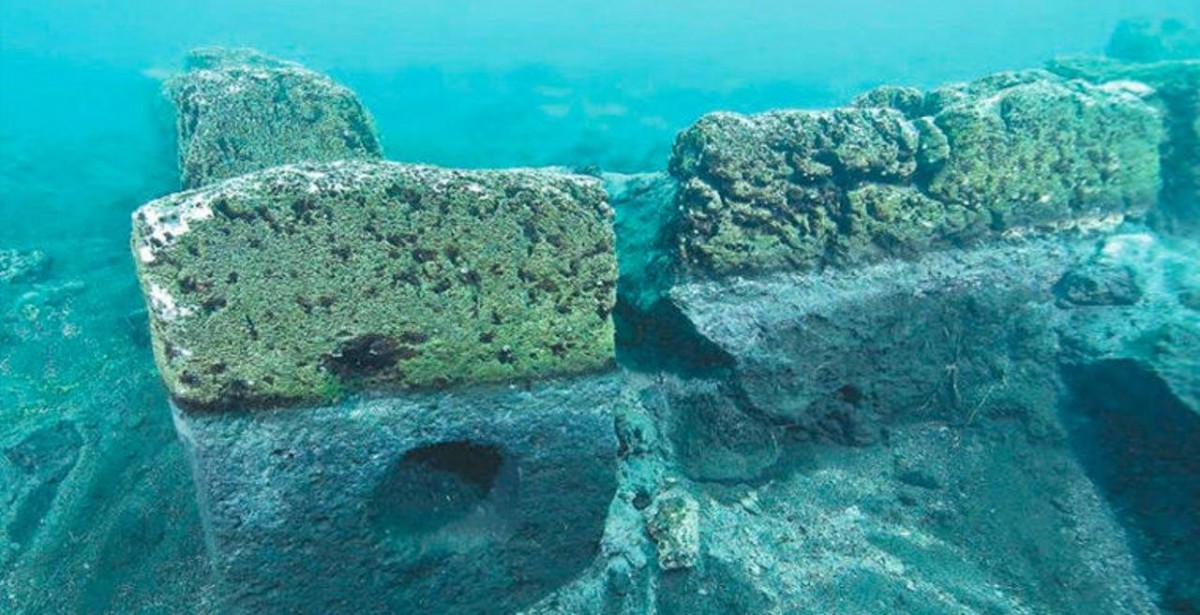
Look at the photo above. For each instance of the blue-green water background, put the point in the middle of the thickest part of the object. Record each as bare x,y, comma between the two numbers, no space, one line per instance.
479,83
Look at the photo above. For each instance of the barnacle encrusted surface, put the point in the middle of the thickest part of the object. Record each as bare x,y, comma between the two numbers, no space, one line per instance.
239,111
302,282
904,171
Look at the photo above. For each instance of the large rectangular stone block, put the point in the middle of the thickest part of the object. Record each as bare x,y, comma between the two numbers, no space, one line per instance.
480,500
1174,87
840,354
239,111
905,171
395,382
304,282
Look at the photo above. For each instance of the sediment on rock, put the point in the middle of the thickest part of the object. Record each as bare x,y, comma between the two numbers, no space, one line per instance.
305,282
954,337
905,171
239,111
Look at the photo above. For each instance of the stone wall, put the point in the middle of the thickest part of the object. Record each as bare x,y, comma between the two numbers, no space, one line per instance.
1174,88
850,351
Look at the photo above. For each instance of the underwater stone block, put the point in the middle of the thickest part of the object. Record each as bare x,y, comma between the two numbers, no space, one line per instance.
837,355
905,172
239,111
1032,148
1173,87
480,500
304,282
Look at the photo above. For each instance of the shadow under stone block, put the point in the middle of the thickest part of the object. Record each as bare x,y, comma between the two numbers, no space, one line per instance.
477,501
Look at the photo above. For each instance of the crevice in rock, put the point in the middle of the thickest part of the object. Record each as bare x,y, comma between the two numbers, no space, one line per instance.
662,339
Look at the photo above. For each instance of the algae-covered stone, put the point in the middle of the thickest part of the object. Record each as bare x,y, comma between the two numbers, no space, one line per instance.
303,281
1033,148
239,111
905,171
1173,87
766,191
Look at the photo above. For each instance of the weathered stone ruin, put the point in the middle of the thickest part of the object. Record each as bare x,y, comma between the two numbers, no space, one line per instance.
835,361
905,172
387,377
899,297
1173,87
300,282
239,111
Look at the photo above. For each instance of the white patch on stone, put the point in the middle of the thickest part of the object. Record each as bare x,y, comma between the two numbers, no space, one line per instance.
1137,88
1087,225
164,306
167,220
1125,244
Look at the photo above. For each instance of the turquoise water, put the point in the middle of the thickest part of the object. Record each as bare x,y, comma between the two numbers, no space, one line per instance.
95,488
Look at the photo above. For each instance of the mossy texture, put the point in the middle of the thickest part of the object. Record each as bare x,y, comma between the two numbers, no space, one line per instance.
304,282
904,171
1174,87
238,111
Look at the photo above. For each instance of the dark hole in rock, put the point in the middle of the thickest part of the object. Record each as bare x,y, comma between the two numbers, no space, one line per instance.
1140,443
365,355
641,500
442,485
850,394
